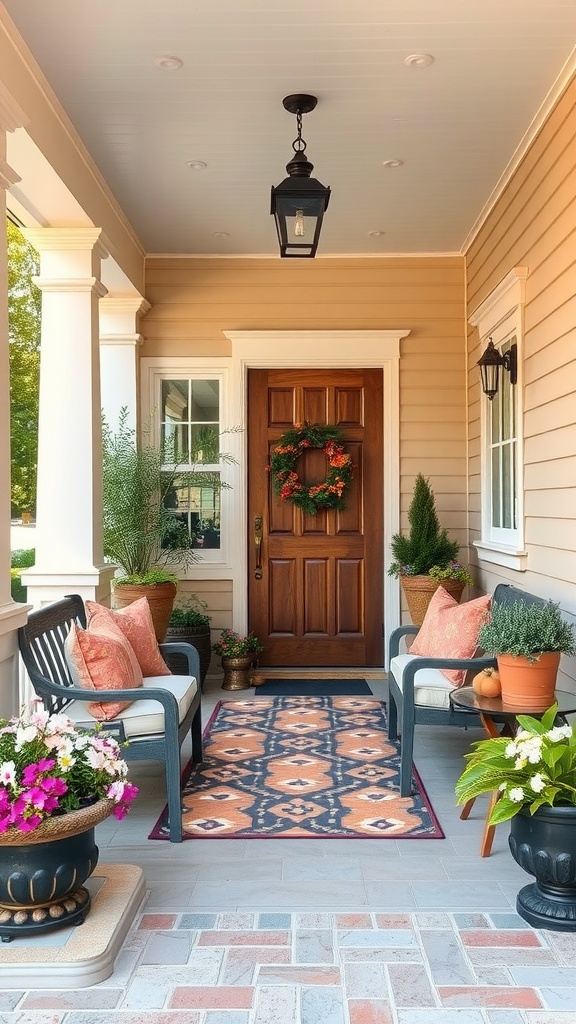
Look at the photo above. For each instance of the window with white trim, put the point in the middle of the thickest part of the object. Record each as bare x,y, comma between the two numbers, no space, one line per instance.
190,426
500,319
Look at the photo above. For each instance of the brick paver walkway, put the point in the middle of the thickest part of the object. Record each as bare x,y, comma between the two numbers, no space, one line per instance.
322,968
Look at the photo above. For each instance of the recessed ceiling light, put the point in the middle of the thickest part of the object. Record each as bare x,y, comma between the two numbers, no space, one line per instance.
196,165
375,234
220,234
168,63
419,60
392,163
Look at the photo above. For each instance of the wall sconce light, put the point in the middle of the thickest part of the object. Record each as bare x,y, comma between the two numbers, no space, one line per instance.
490,363
298,203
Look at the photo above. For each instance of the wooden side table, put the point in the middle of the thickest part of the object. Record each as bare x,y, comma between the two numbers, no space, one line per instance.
492,714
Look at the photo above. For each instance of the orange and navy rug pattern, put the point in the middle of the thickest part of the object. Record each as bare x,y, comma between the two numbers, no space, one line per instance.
301,767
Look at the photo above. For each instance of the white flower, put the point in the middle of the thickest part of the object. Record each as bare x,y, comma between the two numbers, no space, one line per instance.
65,762
519,763
537,783
502,787
25,735
511,750
559,732
60,723
516,795
7,773
531,749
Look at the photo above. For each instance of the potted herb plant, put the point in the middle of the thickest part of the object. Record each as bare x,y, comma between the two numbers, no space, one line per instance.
534,773
426,558
56,783
527,639
190,624
238,652
143,531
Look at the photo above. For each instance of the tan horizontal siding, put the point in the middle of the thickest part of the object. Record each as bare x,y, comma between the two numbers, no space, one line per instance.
195,300
534,224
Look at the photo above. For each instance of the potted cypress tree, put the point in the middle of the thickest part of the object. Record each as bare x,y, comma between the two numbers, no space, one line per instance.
426,558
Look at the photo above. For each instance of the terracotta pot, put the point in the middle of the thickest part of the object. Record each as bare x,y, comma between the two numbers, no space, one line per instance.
237,672
528,685
41,873
544,844
419,591
160,597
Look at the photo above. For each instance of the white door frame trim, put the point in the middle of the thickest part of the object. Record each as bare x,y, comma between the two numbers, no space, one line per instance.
318,350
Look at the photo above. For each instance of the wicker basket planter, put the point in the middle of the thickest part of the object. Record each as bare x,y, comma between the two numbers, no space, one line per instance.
420,589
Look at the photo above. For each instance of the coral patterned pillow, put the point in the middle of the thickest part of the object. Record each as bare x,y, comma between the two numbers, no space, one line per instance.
100,658
450,630
135,622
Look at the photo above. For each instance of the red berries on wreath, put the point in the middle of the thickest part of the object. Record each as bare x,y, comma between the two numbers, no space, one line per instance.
329,493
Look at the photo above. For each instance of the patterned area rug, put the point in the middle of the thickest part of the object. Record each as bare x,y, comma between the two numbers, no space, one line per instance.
300,767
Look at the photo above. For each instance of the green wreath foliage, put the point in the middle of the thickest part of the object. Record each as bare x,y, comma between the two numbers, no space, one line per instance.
329,493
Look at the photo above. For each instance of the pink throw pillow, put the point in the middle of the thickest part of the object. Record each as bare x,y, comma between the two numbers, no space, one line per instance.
135,622
100,658
450,630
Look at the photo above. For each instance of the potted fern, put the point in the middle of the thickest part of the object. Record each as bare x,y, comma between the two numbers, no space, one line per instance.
143,531
190,624
426,558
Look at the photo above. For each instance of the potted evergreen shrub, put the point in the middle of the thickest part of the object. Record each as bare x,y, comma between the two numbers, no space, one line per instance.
426,558
190,624
143,532
527,640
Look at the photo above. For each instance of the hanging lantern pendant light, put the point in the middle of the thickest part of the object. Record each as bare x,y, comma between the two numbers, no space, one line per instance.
298,203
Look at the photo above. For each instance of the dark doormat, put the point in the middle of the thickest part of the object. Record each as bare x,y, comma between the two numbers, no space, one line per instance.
314,688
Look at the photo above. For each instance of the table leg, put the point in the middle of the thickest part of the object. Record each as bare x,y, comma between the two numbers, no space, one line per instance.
491,730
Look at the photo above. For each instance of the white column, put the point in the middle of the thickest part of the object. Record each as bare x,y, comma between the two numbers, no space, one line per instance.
12,615
69,556
119,343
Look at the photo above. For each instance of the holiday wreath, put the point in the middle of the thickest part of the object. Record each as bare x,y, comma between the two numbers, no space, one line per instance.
285,454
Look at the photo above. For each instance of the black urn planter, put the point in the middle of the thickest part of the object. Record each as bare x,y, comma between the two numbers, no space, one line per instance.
200,637
544,844
41,873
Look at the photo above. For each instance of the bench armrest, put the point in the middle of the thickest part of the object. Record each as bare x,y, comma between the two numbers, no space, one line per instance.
419,663
190,653
396,636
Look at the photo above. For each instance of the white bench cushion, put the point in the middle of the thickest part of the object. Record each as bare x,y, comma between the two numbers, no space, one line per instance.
144,717
431,687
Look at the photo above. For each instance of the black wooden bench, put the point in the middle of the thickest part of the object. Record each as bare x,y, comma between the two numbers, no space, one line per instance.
420,693
161,714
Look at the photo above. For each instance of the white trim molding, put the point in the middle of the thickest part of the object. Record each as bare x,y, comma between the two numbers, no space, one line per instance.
319,349
501,314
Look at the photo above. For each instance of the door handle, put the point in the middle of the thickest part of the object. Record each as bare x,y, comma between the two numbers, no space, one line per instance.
258,546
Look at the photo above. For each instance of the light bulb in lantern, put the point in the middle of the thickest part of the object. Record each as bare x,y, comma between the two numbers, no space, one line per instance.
299,224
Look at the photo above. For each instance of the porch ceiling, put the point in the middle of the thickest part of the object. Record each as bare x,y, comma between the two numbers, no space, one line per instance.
455,124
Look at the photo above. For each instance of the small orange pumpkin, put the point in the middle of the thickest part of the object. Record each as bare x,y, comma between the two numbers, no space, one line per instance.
487,683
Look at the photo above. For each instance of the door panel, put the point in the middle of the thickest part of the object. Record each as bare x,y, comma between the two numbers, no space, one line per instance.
319,600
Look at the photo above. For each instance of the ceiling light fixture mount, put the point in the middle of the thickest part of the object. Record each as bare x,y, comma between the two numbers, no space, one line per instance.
197,165
168,63
490,363
299,202
419,60
395,162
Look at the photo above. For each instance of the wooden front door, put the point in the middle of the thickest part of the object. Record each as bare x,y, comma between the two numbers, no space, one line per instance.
318,597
